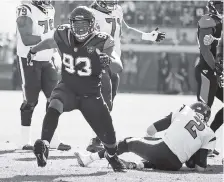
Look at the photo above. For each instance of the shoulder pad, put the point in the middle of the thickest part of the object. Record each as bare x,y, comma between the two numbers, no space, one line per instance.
206,21
24,10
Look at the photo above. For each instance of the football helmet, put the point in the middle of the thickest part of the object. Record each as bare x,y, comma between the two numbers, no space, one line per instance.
107,5
202,111
215,7
43,4
82,22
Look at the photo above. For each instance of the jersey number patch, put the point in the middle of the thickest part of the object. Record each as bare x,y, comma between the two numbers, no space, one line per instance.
22,11
114,22
199,126
47,24
72,65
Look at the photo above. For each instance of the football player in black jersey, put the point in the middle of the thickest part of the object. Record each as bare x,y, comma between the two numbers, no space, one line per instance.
85,53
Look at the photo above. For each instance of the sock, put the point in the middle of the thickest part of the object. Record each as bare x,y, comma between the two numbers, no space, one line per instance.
218,121
50,124
25,135
101,153
55,141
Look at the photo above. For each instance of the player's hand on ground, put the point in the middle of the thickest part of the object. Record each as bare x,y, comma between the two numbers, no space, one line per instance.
105,60
157,35
208,39
30,57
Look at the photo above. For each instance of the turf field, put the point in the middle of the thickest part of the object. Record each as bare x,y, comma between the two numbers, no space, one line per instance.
132,114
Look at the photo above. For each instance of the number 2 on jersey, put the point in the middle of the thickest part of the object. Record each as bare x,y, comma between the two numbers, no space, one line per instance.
70,65
191,124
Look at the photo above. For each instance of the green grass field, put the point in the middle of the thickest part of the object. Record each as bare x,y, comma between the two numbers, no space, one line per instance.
132,114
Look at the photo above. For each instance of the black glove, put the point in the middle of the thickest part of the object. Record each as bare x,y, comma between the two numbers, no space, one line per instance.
161,35
30,56
219,68
105,60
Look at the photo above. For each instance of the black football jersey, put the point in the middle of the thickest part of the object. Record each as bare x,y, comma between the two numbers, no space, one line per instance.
209,21
81,67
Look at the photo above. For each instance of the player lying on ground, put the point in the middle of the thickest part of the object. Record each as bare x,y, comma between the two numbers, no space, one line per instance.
188,140
85,53
33,18
109,19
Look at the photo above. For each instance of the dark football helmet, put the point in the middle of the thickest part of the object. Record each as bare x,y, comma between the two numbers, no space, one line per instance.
82,22
202,111
215,7
107,5
43,4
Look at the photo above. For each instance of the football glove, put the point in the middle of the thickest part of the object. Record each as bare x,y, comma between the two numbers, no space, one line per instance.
30,57
105,60
153,36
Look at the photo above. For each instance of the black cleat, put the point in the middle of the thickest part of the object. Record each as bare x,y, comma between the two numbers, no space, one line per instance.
27,147
64,147
95,145
115,162
41,151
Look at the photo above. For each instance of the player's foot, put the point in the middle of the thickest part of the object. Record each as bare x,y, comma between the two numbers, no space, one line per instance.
95,145
115,162
41,151
83,160
63,147
27,147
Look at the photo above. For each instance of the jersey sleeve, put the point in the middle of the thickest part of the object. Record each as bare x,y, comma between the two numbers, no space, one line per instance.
61,34
210,145
24,10
109,43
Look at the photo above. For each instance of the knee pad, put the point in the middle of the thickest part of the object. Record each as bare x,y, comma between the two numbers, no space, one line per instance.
56,104
26,113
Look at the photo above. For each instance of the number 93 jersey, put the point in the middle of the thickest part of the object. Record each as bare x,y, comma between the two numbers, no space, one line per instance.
81,66
187,134
111,24
43,25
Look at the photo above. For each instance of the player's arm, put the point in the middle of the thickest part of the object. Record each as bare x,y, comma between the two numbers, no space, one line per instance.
202,154
43,45
160,125
206,28
25,26
108,48
219,50
137,34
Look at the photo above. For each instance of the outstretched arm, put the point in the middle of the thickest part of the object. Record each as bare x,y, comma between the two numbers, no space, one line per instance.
46,44
137,34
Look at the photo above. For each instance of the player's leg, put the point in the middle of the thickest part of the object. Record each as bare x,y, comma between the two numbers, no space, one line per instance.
160,125
98,116
30,76
115,80
49,79
207,85
95,144
218,120
62,100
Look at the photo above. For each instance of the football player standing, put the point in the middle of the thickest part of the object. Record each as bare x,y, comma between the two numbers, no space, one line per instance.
35,22
109,19
84,53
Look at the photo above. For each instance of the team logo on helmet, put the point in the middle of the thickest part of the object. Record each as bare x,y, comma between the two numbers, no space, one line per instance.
202,111
108,5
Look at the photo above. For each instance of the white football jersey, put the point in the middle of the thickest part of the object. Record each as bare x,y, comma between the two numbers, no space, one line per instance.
43,25
187,134
111,24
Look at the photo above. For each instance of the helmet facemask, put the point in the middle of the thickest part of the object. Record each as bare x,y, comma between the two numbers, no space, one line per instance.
216,8
43,4
81,29
107,5
202,111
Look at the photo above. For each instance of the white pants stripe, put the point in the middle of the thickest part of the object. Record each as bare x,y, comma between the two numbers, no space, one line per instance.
23,78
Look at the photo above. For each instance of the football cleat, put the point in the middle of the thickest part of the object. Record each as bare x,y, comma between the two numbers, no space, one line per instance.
83,160
64,147
41,151
95,145
130,165
115,162
27,147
